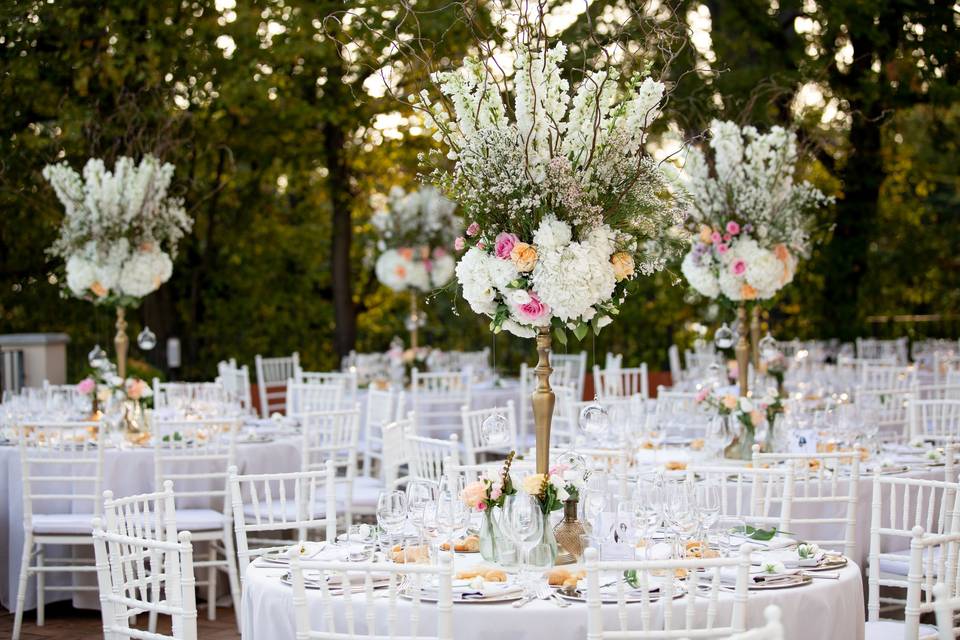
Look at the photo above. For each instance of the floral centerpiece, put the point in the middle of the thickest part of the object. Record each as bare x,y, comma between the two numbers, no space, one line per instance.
741,417
415,231
561,485
106,389
776,367
120,232
485,495
751,217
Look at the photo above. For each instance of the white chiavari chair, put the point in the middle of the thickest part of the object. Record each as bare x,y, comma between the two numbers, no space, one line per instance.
681,618
698,364
676,368
61,464
760,496
425,455
565,427
360,576
854,366
121,576
932,561
272,376
305,397
934,419
473,443
436,399
669,401
823,483
196,455
621,382
889,407
577,376
946,608
563,376
194,397
884,376
348,379
900,507
148,516
395,452
268,508
334,436
383,407
772,630
873,348
236,383
478,362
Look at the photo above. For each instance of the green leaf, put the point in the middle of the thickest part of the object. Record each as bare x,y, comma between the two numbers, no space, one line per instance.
580,331
761,535
630,576
560,335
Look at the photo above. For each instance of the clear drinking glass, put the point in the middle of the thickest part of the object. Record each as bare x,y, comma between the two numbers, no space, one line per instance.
392,511
525,521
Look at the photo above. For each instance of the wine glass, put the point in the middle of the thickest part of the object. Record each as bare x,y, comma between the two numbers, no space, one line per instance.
707,496
420,495
392,511
525,521
452,516
594,502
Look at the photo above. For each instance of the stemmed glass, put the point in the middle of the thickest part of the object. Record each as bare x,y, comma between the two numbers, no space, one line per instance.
707,497
525,521
646,513
452,516
421,494
392,513
680,512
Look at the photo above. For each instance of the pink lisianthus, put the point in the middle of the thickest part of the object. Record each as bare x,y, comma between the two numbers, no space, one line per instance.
481,506
738,267
473,229
459,243
722,248
727,237
702,395
496,491
533,310
439,252
86,386
716,237
733,228
428,265
481,245
504,244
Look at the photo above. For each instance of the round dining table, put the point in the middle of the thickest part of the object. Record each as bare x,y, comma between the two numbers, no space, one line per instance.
829,607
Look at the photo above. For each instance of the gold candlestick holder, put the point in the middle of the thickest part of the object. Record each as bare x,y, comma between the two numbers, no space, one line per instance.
755,336
743,352
121,342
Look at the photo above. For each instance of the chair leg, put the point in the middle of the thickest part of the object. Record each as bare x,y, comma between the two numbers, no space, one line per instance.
233,575
41,584
22,584
212,585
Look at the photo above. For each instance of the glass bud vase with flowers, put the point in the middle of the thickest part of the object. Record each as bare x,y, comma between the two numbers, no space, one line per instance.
487,495
551,490
741,418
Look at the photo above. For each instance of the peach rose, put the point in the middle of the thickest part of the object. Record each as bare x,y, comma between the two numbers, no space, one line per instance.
756,417
474,494
747,292
782,253
98,290
406,253
623,265
524,257
705,234
730,402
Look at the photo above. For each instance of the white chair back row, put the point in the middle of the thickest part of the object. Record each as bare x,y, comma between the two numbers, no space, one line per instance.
347,379
236,383
621,382
272,375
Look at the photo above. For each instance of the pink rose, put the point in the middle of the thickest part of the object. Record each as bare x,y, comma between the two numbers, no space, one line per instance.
473,229
86,386
733,228
473,494
534,309
459,243
495,492
481,245
427,266
702,395
722,248
504,244
716,237
439,252
481,506
727,237
738,267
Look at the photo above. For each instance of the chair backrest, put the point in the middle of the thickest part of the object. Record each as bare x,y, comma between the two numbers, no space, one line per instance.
473,442
308,397
873,348
577,363
236,383
272,375
761,496
348,379
565,427
886,376
946,607
62,468
436,400
669,401
704,578
383,407
425,455
828,479
676,369
621,381
563,376
130,573
147,515
411,580
395,451
333,436
901,507
192,397
264,505
934,419
889,407
196,456
772,630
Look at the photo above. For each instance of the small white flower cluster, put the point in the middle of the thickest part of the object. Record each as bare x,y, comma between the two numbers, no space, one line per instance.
116,228
406,268
415,230
751,219
566,206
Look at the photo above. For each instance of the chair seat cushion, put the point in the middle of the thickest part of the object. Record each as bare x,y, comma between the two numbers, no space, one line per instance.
63,523
900,564
893,630
199,520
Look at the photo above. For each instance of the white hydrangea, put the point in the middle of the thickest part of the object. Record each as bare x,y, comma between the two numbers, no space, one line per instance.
144,272
764,273
442,271
571,280
552,233
730,285
391,270
700,277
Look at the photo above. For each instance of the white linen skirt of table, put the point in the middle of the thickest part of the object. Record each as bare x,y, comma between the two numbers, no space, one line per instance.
822,609
126,472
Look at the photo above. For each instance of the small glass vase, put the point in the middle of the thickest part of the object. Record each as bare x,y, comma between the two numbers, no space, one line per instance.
741,448
133,418
549,539
488,537
569,534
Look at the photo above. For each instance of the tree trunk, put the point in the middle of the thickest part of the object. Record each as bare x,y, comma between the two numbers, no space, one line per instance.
344,310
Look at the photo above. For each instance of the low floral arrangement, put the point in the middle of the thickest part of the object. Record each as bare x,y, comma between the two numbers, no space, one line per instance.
120,232
565,204
742,410
561,483
776,367
487,492
107,386
751,218
415,231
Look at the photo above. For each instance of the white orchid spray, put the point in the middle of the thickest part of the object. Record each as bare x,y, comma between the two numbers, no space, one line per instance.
416,231
121,228
565,205
752,219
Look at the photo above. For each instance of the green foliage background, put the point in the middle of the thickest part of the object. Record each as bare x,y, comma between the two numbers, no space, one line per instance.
276,141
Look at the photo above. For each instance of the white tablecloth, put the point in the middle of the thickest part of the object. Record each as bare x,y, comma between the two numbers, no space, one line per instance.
821,609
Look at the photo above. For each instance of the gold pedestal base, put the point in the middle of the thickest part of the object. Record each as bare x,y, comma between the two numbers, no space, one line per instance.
543,401
121,342
743,353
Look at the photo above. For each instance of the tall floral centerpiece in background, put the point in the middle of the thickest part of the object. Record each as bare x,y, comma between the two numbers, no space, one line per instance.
751,219
416,231
565,207
119,234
